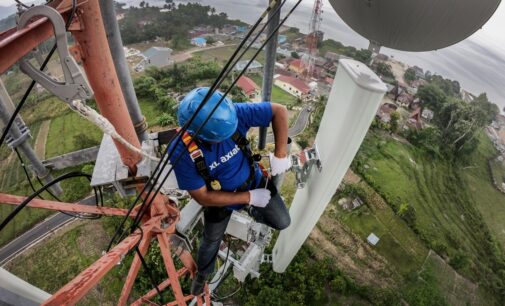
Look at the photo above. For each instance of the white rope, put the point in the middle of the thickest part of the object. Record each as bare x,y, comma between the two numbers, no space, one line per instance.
103,124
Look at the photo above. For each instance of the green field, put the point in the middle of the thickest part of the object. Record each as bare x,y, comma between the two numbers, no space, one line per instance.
278,95
221,55
66,132
498,170
398,244
489,201
453,204
64,256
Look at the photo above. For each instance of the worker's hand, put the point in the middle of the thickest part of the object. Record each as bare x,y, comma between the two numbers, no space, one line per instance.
279,165
259,197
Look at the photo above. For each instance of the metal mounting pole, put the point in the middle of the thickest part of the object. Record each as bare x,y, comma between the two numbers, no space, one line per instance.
122,70
268,74
19,139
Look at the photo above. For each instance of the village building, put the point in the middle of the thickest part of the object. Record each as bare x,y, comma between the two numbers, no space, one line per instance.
415,119
427,114
381,57
405,99
199,41
332,56
500,119
419,72
283,52
385,111
293,86
254,67
157,56
297,66
248,87
418,83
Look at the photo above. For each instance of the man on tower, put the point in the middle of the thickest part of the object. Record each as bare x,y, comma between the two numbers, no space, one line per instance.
219,172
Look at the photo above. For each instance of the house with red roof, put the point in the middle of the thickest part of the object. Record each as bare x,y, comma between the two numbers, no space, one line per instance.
293,86
248,87
297,66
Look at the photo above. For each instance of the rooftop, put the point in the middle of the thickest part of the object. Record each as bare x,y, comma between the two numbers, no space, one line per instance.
298,84
241,65
199,40
154,50
247,85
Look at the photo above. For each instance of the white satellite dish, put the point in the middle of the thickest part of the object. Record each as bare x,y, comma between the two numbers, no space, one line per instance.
415,25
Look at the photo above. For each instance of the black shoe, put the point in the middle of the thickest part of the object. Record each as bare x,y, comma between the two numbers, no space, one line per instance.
198,284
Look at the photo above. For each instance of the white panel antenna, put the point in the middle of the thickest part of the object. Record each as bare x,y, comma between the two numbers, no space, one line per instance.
354,99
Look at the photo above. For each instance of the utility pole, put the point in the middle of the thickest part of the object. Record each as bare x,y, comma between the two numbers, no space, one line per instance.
18,136
122,69
268,73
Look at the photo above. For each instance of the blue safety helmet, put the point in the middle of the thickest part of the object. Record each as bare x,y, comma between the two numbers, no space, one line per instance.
221,125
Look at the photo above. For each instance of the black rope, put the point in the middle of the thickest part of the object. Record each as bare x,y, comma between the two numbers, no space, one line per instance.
22,205
76,215
148,271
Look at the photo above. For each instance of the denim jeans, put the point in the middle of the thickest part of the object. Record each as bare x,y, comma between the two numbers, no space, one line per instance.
275,215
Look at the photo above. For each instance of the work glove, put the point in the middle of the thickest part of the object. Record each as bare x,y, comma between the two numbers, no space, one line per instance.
279,165
259,197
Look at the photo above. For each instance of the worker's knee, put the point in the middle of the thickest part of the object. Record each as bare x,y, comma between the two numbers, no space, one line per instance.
282,222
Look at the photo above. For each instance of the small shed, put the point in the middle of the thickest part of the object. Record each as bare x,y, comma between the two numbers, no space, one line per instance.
373,239
254,67
199,41
157,56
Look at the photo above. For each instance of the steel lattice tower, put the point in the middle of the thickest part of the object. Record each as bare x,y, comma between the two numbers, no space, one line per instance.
313,38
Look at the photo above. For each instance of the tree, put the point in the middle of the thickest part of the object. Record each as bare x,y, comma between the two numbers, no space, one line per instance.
384,69
295,54
165,119
144,86
427,139
431,96
393,124
410,75
363,55
210,40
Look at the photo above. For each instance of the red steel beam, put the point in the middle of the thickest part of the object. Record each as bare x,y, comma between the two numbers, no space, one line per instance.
152,293
101,73
173,276
15,44
70,207
134,270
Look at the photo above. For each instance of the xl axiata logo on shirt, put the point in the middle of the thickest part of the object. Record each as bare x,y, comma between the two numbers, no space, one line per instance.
223,159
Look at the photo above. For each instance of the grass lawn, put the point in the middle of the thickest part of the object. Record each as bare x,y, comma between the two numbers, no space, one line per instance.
52,264
498,169
221,55
278,95
150,110
74,189
489,201
398,243
445,197
67,132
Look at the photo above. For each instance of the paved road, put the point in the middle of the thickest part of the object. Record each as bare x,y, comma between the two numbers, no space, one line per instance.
298,127
37,233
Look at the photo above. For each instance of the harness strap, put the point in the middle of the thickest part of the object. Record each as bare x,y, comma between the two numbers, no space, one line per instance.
245,147
198,159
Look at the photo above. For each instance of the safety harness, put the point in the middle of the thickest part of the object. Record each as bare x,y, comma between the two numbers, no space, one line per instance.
198,159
